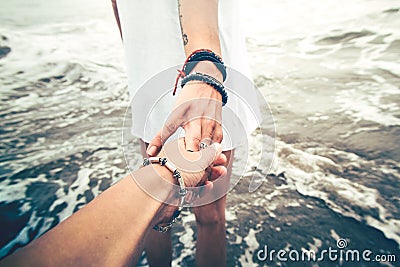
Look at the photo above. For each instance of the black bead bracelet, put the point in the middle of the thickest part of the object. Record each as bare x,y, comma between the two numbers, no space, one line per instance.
202,77
205,55
194,58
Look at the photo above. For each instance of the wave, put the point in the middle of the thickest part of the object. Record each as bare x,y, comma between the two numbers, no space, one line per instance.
313,172
343,38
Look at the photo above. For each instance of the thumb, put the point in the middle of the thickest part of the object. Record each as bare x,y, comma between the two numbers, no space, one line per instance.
155,145
209,154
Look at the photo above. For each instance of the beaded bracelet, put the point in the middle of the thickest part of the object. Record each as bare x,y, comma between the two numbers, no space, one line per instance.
208,80
182,190
203,55
194,58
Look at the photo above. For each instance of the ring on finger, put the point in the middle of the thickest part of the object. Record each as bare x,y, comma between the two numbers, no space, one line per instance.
205,143
202,145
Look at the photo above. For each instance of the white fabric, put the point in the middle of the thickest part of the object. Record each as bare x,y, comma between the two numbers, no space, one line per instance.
153,43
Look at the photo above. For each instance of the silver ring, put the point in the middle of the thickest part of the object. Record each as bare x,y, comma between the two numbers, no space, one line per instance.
203,145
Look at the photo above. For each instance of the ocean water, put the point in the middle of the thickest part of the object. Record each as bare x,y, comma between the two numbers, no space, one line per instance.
330,71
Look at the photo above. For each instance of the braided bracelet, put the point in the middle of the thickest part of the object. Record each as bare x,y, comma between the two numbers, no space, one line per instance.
208,80
194,58
182,190
203,55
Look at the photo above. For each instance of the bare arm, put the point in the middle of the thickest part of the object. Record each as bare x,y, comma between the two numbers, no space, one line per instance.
110,229
106,232
199,29
199,25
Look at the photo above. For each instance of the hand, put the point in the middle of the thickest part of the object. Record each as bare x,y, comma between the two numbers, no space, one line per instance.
198,110
196,168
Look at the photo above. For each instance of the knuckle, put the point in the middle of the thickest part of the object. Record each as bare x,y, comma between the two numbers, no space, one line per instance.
169,127
211,123
194,139
156,140
209,134
192,123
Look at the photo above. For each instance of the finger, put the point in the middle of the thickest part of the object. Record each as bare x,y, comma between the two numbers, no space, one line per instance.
206,188
220,160
207,129
155,145
217,172
218,134
170,127
192,135
209,154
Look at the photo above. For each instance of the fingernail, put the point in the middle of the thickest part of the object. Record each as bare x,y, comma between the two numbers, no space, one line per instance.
151,151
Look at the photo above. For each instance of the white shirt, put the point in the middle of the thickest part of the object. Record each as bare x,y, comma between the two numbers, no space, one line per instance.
154,51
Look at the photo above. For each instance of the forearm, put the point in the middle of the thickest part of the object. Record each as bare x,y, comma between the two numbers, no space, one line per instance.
199,29
199,25
107,232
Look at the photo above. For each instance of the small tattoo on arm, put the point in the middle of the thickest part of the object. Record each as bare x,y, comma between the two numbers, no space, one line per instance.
185,39
184,35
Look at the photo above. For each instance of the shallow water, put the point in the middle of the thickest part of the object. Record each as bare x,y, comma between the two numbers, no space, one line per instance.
330,72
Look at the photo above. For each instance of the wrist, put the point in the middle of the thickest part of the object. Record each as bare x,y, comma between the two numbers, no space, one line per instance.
209,68
203,61
167,215
157,185
156,181
163,173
